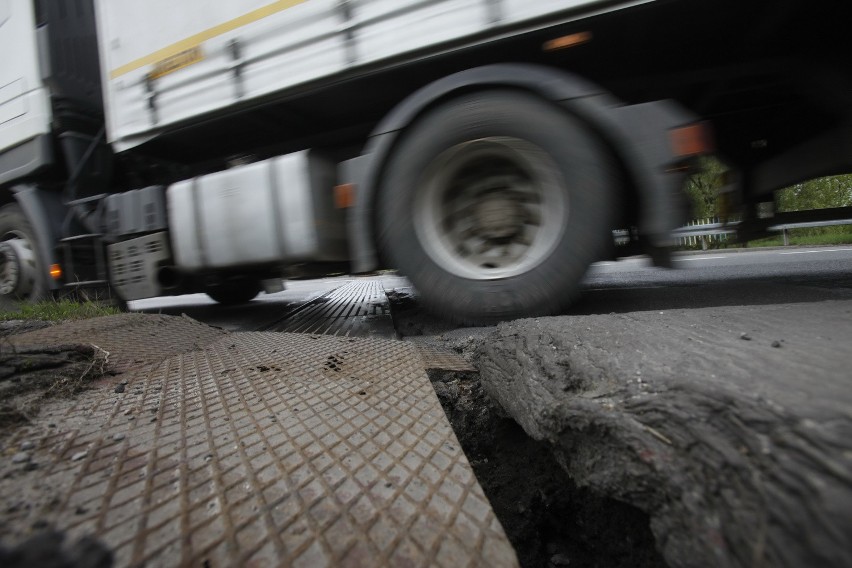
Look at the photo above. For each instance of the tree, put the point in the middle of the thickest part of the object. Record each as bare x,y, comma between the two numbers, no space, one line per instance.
835,191
703,186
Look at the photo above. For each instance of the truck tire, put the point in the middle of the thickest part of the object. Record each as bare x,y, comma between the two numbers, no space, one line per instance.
23,275
234,291
494,205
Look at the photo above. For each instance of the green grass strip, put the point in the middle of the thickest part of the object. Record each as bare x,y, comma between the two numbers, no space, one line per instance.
58,310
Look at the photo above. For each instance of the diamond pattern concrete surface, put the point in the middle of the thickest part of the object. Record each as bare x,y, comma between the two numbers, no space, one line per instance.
130,339
270,449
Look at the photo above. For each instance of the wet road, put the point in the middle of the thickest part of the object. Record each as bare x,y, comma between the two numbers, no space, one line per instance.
750,277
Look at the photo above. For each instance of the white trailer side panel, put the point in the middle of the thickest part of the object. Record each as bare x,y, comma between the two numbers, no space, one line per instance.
24,101
167,62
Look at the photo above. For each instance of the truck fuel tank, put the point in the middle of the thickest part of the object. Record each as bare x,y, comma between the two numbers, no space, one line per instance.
276,211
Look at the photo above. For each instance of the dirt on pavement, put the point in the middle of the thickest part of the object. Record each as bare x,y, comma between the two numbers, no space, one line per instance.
550,520
679,438
725,429
730,427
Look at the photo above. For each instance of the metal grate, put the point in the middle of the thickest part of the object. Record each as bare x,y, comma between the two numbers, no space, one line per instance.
442,358
357,309
270,449
134,265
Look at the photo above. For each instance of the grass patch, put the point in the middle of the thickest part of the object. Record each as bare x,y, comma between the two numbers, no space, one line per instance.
826,238
767,242
59,310
795,237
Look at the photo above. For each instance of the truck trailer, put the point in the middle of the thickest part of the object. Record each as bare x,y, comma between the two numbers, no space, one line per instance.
486,149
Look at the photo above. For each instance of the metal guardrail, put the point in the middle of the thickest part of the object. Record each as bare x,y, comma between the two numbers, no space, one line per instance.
689,232
708,229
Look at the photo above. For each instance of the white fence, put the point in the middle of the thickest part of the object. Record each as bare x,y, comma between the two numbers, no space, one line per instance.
704,232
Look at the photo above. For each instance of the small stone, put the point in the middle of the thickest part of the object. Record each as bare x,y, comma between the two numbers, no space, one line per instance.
560,560
118,437
119,389
30,466
27,445
745,337
20,457
79,455
128,412
776,344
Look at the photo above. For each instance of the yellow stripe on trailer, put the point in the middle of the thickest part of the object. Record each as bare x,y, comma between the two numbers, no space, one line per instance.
176,62
164,55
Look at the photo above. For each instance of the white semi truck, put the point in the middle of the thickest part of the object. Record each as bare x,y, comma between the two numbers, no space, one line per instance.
485,148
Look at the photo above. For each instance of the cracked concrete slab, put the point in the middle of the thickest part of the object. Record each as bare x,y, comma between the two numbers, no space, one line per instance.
729,426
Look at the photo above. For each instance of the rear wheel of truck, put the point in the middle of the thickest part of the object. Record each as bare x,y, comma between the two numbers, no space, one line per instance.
22,272
494,205
233,292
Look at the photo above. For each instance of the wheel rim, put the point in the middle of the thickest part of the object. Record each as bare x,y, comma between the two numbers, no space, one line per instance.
17,266
490,208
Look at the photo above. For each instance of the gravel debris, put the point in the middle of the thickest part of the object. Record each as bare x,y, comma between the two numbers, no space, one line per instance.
79,455
20,457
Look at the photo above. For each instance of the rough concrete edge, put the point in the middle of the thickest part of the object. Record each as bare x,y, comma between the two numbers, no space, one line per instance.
727,478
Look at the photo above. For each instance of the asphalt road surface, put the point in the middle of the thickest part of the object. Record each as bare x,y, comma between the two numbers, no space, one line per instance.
717,278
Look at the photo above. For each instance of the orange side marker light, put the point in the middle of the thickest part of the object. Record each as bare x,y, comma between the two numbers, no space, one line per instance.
693,140
565,42
344,195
